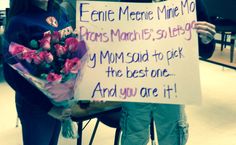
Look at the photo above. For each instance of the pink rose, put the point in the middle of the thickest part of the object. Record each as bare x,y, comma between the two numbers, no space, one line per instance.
45,56
17,50
47,34
60,50
72,65
37,59
48,57
53,77
28,56
67,66
56,36
72,44
42,55
45,42
76,65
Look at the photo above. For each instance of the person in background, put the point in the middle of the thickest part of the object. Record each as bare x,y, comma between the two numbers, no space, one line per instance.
27,20
170,120
70,10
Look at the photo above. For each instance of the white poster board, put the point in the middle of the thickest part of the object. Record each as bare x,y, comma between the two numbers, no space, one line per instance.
139,52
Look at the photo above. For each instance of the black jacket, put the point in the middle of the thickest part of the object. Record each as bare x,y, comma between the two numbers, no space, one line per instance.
22,29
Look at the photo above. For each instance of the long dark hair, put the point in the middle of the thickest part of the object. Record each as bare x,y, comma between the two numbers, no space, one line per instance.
20,6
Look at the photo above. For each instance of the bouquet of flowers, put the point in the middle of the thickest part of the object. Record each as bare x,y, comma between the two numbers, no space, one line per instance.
53,64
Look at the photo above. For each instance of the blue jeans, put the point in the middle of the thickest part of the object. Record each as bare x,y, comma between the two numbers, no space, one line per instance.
38,128
170,121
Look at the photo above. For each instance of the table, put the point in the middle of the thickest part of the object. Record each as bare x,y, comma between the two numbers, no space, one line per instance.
93,111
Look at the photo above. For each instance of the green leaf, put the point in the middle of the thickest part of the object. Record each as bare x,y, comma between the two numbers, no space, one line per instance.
34,44
43,76
69,76
39,50
47,65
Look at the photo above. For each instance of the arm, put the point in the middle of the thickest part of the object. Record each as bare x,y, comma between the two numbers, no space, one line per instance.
206,32
17,32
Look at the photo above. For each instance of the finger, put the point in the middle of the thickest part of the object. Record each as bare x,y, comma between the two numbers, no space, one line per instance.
205,33
55,94
206,28
97,101
103,101
76,31
53,87
59,97
206,24
62,97
205,38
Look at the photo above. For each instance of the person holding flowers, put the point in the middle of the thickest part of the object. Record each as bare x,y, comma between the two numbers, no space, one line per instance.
39,24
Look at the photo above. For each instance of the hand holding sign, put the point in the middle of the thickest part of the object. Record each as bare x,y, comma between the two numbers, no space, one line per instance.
206,31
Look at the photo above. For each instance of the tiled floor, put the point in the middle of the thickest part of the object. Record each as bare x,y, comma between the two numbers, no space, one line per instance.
212,123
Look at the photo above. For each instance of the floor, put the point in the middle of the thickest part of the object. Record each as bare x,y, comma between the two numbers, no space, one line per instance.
212,123
223,56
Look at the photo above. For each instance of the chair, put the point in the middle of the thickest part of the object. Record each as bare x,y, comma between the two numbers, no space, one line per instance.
87,114
113,120
227,28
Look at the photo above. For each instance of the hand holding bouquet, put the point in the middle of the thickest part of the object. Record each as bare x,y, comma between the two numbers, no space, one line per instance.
53,64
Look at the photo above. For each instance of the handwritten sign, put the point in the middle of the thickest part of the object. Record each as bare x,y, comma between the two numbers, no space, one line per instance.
139,52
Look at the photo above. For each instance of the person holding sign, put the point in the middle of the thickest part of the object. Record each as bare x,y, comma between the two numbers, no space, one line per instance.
170,120
69,6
